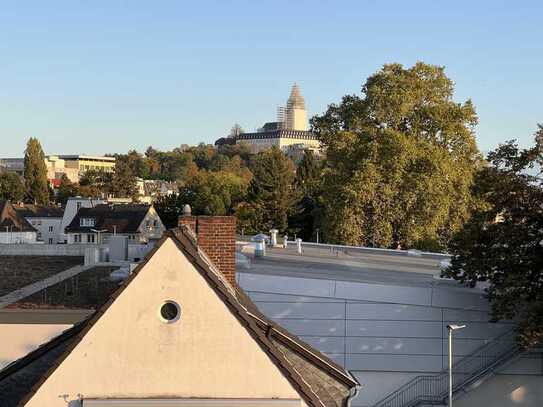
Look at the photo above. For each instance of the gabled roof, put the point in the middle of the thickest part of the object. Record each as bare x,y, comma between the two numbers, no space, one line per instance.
39,211
120,218
318,380
9,218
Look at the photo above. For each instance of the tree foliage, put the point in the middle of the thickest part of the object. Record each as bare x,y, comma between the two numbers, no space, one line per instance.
35,173
214,193
400,160
502,244
271,195
308,210
11,187
123,182
66,189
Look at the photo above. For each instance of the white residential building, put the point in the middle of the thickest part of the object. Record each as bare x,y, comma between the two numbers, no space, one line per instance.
45,219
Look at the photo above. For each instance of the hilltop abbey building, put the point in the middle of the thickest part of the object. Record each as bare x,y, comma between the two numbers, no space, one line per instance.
289,133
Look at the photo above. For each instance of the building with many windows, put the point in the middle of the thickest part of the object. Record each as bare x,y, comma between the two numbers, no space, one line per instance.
84,163
289,133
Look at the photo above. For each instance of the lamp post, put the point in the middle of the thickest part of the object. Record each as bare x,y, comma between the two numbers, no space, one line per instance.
451,329
98,241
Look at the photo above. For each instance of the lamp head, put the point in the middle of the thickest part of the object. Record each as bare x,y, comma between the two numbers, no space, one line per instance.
455,327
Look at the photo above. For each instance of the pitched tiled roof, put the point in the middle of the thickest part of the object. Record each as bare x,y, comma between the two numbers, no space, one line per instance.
122,218
10,219
318,380
39,211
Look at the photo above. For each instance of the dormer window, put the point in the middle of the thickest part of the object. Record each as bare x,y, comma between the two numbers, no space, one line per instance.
87,222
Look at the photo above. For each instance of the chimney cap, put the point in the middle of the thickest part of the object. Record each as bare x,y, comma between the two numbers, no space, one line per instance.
187,210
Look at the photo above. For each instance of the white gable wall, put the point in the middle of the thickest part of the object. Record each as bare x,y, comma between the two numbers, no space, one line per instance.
131,353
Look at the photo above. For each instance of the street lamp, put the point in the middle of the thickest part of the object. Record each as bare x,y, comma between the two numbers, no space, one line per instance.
451,328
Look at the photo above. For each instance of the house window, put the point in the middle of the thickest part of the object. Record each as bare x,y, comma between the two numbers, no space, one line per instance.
77,238
50,228
50,240
87,222
78,205
90,238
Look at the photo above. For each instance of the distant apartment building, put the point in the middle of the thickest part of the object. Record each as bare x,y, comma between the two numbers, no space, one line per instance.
289,133
56,169
140,223
85,163
45,219
73,166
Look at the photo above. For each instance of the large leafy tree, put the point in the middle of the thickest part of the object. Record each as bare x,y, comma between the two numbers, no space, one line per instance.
307,184
271,196
35,173
214,193
400,160
502,244
66,189
123,181
11,187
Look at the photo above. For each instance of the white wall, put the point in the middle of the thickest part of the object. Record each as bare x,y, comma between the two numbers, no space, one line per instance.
43,226
206,353
17,237
386,334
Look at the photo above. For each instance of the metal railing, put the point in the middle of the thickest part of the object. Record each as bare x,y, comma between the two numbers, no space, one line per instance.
434,389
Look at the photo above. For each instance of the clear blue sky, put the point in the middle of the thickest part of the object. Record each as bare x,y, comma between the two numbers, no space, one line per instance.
108,76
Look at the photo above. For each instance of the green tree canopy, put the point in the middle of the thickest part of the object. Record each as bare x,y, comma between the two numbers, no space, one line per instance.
11,187
308,187
502,244
214,193
35,173
123,182
66,189
271,194
400,160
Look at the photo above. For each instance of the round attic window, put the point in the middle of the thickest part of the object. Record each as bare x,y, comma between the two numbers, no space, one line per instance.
170,311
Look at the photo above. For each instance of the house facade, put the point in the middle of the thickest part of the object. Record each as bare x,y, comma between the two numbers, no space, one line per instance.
14,228
47,221
140,223
73,205
176,333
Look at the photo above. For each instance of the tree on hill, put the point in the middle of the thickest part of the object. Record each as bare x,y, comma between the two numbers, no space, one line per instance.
123,182
307,184
66,189
270,194
11,187
502,243
35,173
214,193
400,160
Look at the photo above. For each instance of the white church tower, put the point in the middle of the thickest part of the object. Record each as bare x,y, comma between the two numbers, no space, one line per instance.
296,115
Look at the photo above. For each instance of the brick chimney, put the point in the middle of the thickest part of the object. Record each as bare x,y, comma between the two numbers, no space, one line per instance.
216,236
